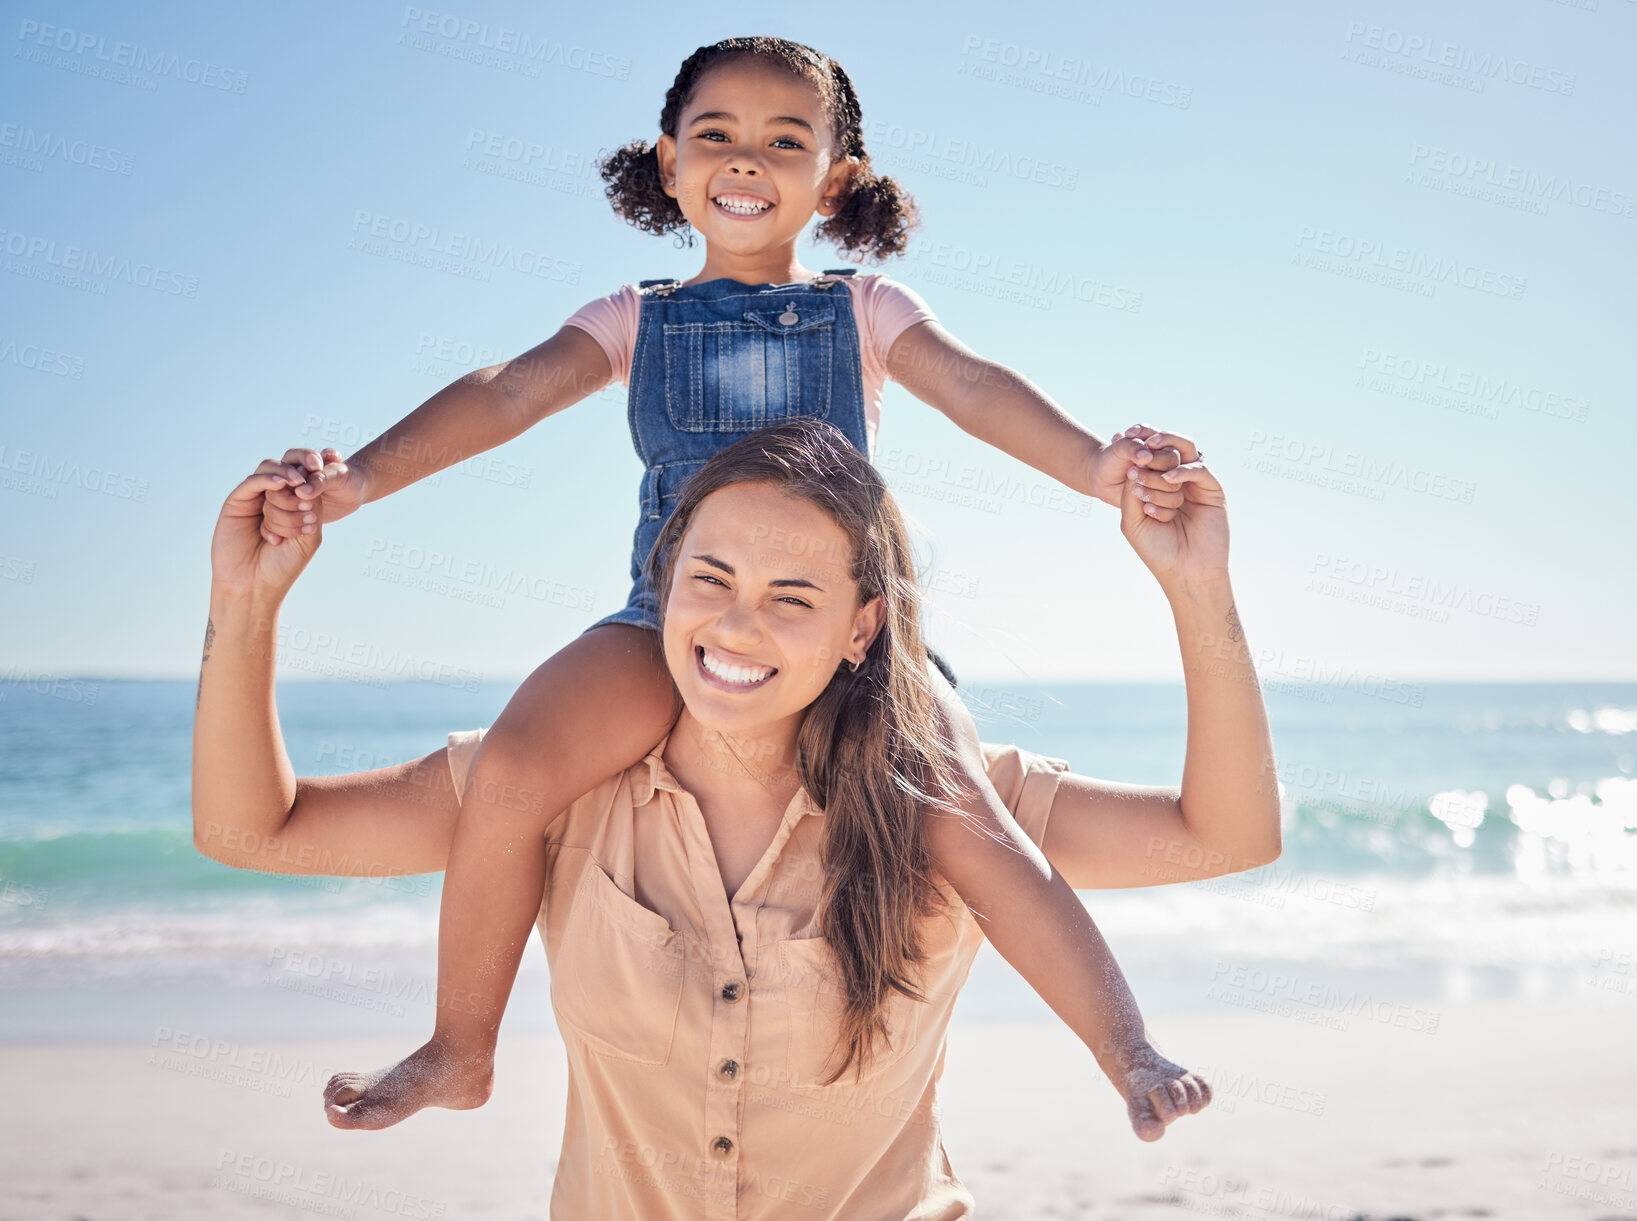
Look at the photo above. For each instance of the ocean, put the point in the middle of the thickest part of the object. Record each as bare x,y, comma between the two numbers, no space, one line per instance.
1442,843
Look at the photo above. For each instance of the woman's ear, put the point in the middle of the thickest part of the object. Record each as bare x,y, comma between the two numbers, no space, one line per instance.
867,625
665,154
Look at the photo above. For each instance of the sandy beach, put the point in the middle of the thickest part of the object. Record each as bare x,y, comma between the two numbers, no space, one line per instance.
1519,1109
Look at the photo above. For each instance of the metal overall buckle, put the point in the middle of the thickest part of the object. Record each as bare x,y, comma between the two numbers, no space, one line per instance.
832,276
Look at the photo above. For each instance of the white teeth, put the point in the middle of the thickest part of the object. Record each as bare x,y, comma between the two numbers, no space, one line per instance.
732,673
742,208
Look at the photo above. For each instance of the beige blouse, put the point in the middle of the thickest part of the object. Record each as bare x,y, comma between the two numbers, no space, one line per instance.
696,1029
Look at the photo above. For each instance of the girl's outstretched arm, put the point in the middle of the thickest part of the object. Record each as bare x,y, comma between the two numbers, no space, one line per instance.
1000,406
477,412
249,809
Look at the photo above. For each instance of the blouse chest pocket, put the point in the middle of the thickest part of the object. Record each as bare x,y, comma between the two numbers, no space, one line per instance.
617,978
772,364
811,979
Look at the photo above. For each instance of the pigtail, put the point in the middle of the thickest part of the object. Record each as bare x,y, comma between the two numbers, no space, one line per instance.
632,174
875,219
877,215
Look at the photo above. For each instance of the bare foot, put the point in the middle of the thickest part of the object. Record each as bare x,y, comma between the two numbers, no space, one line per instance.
1158,1092
434,1076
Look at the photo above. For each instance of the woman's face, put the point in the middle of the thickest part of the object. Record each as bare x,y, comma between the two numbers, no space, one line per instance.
762,608
752,157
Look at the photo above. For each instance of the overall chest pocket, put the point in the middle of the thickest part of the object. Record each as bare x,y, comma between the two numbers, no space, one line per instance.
771,364
811,979
617,978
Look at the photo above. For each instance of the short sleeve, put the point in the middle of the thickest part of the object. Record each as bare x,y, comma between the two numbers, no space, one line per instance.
612,322
463,746
886,310
1026,782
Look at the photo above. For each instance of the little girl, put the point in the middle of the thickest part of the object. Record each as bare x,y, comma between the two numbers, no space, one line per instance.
758,135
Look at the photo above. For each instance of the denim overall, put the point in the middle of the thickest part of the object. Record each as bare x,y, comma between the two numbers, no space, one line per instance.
716,360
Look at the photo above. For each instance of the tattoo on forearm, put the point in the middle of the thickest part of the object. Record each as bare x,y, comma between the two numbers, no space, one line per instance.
210,636
1236,633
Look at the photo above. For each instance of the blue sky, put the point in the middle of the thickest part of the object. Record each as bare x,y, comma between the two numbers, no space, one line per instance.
1378,259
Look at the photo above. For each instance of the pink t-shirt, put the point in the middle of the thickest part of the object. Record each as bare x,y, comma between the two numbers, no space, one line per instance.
884,310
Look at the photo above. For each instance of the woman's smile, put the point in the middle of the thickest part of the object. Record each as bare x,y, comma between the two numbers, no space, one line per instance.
727,674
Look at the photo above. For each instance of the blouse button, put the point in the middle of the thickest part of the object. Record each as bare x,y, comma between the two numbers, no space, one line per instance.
729,1069
732,990
790,317
722,1146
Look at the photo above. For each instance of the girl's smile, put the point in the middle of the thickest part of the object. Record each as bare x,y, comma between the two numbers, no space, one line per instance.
742,206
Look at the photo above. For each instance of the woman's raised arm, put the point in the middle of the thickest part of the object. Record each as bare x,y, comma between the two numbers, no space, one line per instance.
1225,817
249,809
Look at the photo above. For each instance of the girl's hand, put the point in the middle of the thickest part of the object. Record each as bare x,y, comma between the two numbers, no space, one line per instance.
319,485
1181,534
245,557
1147,448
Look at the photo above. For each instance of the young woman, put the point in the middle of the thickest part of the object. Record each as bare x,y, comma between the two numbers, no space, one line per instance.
753,961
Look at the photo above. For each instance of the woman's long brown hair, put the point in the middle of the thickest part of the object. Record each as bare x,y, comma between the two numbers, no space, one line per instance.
872,750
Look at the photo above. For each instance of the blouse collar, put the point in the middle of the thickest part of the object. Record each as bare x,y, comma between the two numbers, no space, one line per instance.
651,775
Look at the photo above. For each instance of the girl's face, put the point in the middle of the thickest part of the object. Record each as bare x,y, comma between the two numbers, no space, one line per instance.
751,160
762,609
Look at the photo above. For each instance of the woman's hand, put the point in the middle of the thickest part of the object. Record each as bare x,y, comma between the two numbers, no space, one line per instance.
1151,449
1181,534
246,557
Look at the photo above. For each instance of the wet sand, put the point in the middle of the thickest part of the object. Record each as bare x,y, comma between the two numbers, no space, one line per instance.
1506,1110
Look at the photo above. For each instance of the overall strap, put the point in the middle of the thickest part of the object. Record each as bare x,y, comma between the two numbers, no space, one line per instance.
662,287
833,275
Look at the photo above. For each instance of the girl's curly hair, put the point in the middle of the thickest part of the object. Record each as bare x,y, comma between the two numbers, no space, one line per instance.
875,218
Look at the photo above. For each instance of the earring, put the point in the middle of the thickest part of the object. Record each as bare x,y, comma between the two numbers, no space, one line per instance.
854,666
